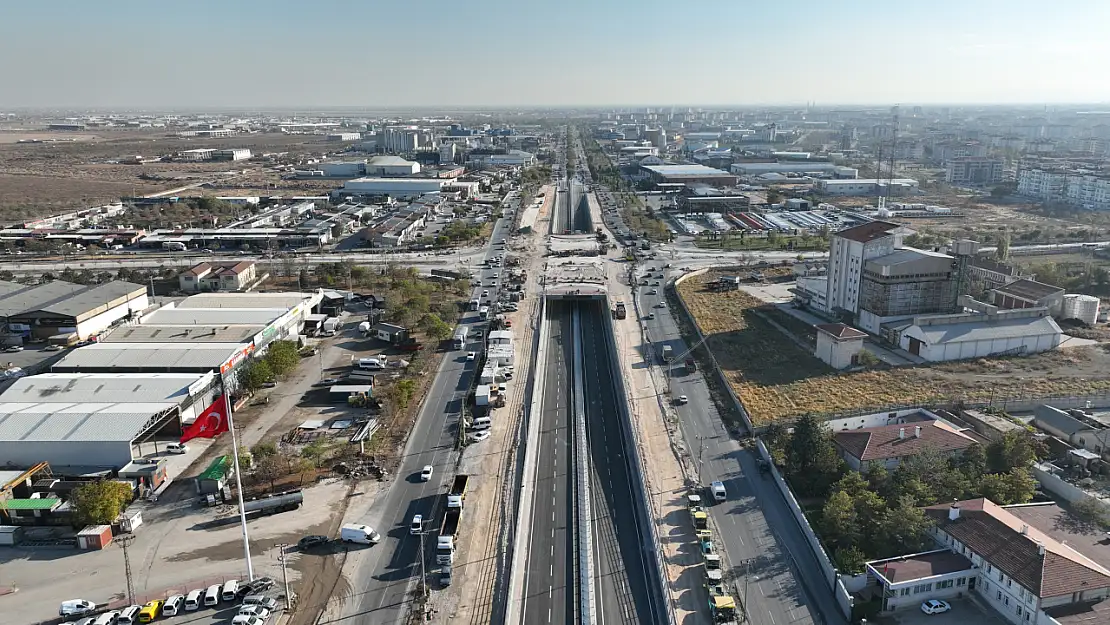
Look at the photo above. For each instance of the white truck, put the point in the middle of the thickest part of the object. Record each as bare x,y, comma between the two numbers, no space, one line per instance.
460,337
174,246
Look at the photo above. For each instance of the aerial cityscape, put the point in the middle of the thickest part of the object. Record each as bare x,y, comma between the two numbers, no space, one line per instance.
355,333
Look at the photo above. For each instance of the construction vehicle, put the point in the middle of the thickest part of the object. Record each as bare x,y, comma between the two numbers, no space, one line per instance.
705,541
697,512
619,311
722,605
713,571
457,494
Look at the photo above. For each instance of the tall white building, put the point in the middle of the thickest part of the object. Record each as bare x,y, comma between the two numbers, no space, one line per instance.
848,250
976,170
399,139
447,153
1079,188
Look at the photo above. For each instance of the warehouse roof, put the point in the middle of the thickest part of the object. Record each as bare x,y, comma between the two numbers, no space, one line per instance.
122,388
181,334
245,300
988,330
64,298
868,231
148,356
213,316
686,170
53,422
386,160
1030,290
43,503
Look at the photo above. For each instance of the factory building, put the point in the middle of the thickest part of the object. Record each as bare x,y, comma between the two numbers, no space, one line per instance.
168,357
984,330
905,283
510,158
97,421
867,186
199,154
406,188
389,166
59,308
827,169
1029,294
689,174
237,154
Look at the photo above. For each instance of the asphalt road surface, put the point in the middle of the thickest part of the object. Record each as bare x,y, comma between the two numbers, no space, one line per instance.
622,576
382,587
770,558
549,578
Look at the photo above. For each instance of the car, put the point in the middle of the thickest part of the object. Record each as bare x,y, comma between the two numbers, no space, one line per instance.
53,347
656,283
247,619
479,436
150,611
471,356
308,542
260,584
426,473
255,610
326,382
76,607
11,349
650,315
269,385
935,606
417,524
653,292
267,602
718,489
485,292
172,605
681,399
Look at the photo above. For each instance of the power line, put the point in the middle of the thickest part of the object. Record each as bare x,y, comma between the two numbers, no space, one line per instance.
125,541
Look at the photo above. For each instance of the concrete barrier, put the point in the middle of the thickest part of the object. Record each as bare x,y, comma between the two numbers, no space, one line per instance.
701,337
587,608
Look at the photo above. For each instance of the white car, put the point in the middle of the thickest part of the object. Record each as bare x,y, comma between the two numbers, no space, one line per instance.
426,473
247,619
479,436
417,524
470,356
661,305
653,292
935,606
682,399
256,611
76,607
485,293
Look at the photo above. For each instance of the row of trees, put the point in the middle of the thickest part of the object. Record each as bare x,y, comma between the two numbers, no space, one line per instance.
878,514
280,360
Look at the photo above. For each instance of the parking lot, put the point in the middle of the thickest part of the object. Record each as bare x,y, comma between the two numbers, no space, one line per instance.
964,612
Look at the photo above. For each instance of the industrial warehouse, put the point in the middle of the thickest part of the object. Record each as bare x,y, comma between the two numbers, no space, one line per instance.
55,308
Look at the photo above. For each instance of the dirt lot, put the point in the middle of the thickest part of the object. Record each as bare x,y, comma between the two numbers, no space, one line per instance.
38,179
776,379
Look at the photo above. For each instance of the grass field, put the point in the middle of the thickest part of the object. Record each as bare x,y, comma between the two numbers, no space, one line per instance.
776,379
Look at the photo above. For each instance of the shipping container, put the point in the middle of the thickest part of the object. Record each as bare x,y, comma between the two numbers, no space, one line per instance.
11,535
94,537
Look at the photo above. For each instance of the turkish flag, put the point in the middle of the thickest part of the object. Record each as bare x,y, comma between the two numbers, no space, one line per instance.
210,424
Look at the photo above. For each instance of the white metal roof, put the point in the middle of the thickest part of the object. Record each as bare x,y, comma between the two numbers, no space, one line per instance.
213,316
245,300
164,356
39,422
988,330
108,388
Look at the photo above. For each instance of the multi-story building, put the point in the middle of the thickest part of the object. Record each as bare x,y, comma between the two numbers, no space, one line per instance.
400,139
218,277
1026,575
975,170
848,250
903,284
1078,187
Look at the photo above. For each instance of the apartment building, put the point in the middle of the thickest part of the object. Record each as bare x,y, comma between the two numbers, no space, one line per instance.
1081,188
974,170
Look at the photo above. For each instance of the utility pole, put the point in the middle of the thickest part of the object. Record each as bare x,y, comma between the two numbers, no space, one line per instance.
125,542
423,573
747,565
284,574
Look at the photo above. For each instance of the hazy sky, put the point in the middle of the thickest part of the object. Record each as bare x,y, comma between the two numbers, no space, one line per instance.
281,53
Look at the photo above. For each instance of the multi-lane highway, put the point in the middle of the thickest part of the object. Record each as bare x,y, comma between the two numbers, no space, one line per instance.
550,581
622,573
773,566
383,582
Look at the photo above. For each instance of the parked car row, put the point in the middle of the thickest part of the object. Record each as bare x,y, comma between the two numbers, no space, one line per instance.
255,609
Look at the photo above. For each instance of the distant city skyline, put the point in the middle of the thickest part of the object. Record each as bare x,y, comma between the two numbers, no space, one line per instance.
279,54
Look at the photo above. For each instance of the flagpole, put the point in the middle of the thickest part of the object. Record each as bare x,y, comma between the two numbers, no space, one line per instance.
238,480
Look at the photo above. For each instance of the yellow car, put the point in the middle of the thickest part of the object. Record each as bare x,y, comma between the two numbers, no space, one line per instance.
150,611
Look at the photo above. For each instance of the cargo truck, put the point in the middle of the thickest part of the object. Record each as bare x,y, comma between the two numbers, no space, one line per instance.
445,542
460,337
697,512
667,352
713,570
173,246
619,311
691,365
457,494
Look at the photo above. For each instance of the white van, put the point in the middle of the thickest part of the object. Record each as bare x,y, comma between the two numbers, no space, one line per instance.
177,448
172,606
361,534
129,615
192,600
370,364
481,423
231,587
107,618
212,595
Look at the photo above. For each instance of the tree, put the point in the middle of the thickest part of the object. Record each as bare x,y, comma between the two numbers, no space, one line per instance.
904,529
1002,251
261,450
435,327
246,459
99,503
254,374
314,452
839,524
811,458
850,560
1013,450
283,358
270,469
